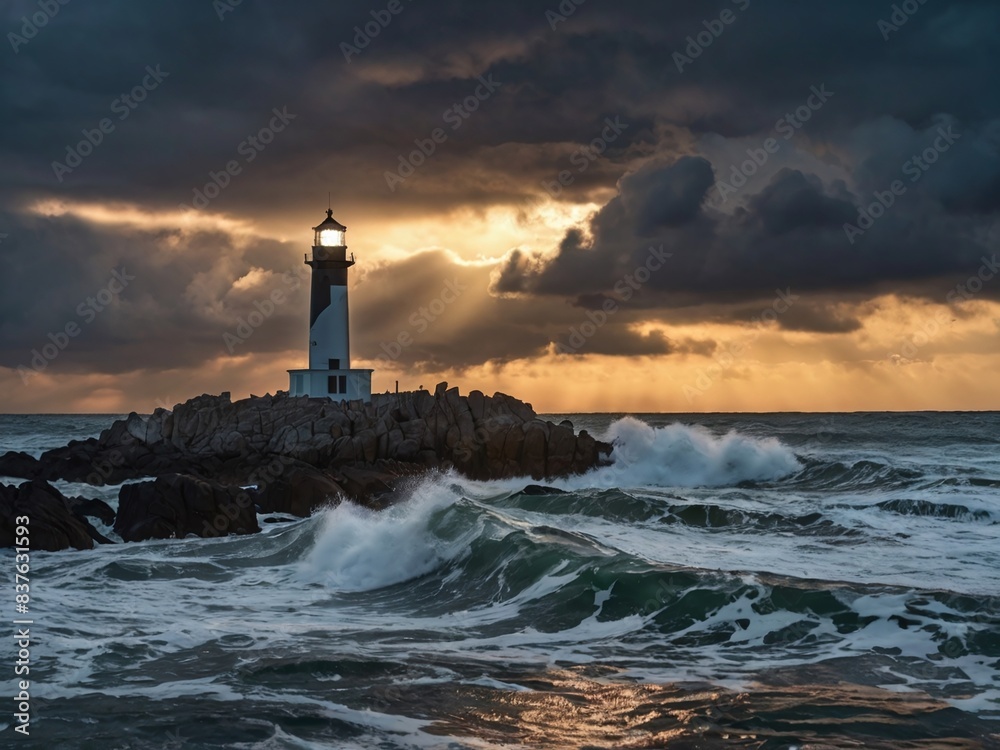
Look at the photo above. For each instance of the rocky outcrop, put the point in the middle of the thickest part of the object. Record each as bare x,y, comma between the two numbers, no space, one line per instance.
299,491
483,437
295,454
93,509
55,522
176,505
17,464
303,489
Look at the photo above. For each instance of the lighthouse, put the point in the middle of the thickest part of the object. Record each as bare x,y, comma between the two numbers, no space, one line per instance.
330,374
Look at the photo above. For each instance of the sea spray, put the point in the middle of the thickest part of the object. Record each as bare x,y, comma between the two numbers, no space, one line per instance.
687,456
855,601
361,550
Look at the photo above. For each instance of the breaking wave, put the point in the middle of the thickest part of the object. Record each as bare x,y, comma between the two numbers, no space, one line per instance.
688,456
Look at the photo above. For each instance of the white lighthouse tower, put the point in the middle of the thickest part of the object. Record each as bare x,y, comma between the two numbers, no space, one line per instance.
330,374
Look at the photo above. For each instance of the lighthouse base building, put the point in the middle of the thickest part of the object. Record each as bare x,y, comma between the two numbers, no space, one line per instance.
330,374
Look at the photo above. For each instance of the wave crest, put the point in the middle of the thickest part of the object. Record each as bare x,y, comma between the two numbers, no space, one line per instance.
362,550
689,456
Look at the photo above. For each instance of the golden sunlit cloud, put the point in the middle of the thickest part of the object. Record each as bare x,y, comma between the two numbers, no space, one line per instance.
133,216
480,235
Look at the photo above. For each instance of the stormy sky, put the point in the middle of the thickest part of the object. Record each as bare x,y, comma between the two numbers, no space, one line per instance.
691,206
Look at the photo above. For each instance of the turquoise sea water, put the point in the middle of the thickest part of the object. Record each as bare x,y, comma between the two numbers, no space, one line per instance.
752,581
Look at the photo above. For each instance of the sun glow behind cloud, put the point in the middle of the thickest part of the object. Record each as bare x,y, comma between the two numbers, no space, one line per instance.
474,235
891,361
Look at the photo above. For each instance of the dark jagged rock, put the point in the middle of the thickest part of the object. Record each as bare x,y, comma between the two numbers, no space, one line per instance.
176,505
298,491
54,522
302,453
537,489
373,489
19,465
483,437
93,509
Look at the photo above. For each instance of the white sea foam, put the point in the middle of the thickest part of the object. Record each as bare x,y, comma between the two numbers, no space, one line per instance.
162,620
361,550
688,456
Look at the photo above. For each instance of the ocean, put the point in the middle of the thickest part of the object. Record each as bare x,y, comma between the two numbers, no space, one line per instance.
732,581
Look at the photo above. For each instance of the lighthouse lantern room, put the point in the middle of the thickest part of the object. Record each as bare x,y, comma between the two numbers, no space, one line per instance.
330,374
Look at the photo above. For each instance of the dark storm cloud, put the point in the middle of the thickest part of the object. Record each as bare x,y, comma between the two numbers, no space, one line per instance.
819,319
354,120
658,198
790,234
431,312
199,296
132,299
622,342
794,200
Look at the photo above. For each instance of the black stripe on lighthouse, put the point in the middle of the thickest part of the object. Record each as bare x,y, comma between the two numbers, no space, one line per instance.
322,280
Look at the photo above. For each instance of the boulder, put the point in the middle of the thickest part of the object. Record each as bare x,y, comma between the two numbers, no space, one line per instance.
52,523
368,487
512,451
176,505
99,509
561,451
535,449
299,490
587,454
538,490
477,405
18,464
